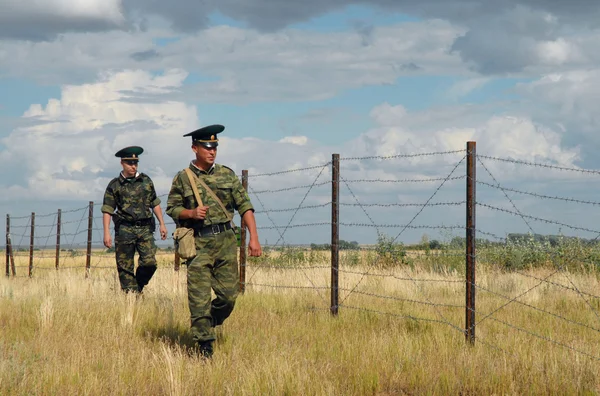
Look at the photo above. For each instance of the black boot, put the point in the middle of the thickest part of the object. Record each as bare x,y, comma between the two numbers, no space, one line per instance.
205,348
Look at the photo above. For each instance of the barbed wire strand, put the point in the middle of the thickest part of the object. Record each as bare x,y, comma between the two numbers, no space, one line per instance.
531,333
291,170
388,157
542,196
480,287
534,164
46,243
553,255
289,222
409,223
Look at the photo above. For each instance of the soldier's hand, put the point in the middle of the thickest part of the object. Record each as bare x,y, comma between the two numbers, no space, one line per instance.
107,241
199,213
163,232
254,248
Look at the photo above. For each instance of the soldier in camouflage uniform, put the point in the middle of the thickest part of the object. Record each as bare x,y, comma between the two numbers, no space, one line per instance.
215,266
133,196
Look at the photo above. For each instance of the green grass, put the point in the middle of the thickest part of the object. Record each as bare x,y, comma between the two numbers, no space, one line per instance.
64,334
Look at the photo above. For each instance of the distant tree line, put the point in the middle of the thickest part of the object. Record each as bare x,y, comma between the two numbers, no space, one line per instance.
343,245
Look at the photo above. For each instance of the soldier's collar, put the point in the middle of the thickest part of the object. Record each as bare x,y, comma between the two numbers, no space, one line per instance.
209,171
123,178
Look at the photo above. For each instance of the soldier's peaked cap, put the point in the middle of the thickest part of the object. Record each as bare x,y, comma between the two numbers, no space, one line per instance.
207,136
130,153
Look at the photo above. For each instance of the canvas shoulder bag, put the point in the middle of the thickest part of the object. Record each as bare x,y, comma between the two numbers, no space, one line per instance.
185,243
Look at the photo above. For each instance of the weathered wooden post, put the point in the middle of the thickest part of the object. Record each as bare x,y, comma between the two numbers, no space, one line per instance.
243,240
335,232
58,221
31,243
470,241
88,259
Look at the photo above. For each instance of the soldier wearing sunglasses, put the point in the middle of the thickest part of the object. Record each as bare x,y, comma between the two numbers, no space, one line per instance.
130,200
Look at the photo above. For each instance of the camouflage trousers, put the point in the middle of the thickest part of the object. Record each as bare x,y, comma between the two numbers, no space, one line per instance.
214,268
128,240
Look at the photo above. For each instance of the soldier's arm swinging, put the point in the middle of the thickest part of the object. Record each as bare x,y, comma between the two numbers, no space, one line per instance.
106,225
163,229
254,248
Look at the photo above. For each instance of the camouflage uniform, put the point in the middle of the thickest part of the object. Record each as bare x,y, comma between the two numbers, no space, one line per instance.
215,267
134,200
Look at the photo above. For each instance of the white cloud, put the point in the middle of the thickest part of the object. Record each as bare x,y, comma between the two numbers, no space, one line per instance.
400,132
244,65
101,9
297,140
68,155
44,19
71,156
567,101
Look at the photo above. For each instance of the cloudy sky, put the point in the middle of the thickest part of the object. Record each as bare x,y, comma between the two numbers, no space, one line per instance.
295,82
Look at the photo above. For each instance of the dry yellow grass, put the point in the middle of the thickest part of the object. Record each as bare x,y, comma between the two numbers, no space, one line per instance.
63,334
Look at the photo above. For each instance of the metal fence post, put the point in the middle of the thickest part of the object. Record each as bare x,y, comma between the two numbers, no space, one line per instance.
470,243
243,239
335,232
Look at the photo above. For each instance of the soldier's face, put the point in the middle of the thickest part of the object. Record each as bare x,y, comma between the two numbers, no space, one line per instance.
129,168
205,157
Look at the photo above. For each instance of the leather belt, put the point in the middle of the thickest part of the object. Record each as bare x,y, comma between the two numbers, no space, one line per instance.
137,223
213,229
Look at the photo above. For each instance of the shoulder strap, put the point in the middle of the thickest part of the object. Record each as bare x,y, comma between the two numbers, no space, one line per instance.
208,190
192,178
212,194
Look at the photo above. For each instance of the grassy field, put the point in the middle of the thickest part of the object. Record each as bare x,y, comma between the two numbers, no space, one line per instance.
399,332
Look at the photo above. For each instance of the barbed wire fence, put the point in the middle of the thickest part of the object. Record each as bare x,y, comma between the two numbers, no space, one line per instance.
334,201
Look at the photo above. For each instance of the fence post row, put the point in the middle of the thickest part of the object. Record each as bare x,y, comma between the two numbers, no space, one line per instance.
243,239
470,244
88,258
334,307
335,232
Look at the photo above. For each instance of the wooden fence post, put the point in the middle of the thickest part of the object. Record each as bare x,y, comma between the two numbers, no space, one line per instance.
335,232
9,249
7,245
31,243
88,259
470,241
177,262
58,221
243,239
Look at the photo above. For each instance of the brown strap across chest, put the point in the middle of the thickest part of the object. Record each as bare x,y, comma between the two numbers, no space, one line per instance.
193,178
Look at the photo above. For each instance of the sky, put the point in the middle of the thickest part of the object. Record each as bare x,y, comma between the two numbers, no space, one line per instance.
381,83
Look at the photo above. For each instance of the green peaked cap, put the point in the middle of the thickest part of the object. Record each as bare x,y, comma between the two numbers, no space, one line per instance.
130,153
206,136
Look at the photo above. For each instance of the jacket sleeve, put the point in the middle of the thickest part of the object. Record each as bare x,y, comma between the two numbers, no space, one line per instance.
241,197
109,203
175,199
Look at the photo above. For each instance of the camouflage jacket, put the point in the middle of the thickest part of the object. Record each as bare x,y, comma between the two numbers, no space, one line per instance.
133,199
224,183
